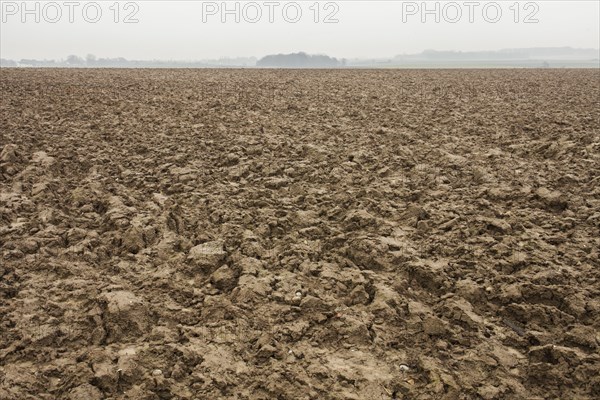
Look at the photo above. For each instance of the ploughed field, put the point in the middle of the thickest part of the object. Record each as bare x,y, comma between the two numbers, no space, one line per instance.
262,234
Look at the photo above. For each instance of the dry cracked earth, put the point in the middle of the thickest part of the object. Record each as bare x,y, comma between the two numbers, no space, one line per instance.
266,234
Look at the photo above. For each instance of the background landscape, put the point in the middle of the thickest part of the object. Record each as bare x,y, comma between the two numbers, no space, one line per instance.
543,57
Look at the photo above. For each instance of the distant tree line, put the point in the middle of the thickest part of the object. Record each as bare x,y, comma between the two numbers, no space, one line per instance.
299,60
295,60
91,61
7,63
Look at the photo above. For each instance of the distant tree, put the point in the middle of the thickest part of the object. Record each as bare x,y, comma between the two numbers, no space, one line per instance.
298,60
31,62
74,60
7,63
91,59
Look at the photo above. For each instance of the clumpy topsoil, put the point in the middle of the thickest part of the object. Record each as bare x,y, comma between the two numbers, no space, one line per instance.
348,234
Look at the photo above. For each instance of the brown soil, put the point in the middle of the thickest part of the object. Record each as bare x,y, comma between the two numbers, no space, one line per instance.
202,234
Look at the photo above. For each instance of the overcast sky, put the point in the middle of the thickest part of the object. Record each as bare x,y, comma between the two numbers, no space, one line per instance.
194,30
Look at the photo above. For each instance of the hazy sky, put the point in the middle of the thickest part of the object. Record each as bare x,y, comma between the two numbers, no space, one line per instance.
194,29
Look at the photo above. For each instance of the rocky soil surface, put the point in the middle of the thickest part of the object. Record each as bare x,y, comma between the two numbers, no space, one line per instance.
265,234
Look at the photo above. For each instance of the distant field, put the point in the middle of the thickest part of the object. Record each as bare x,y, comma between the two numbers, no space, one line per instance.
325,234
